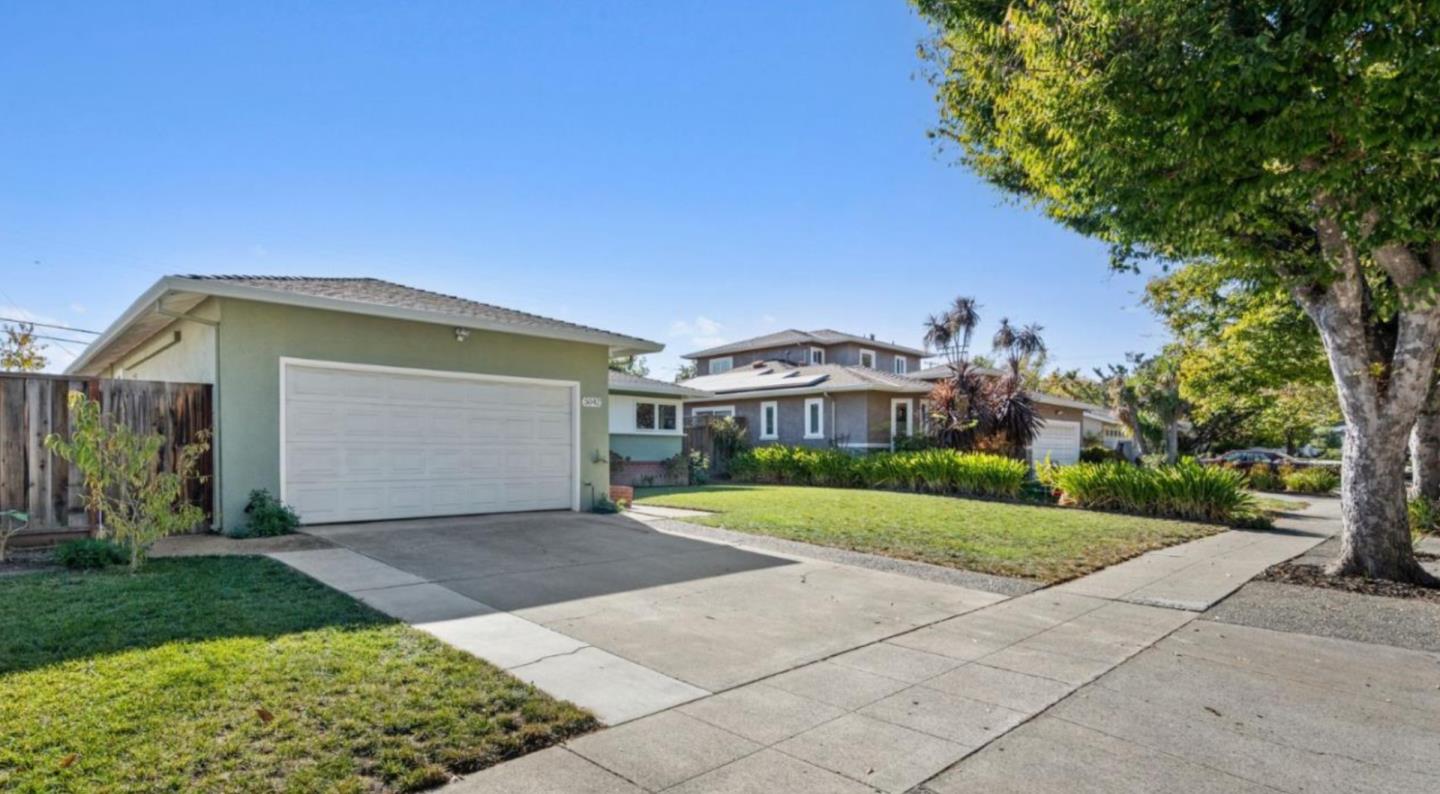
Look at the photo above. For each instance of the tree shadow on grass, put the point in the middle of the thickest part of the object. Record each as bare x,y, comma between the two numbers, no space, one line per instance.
56,617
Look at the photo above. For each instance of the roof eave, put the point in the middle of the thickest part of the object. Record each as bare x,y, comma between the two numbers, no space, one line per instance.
618,344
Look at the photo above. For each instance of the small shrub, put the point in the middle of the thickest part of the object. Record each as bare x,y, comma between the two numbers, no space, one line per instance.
1310,479
1098,454
266,516
1263,477
1186,490
617,462
1424,517
89,554
606,506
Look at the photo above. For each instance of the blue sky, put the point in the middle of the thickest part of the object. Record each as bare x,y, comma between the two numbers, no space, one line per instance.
689,172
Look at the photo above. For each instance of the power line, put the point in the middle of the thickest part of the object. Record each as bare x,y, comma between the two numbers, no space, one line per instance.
49,325
61,339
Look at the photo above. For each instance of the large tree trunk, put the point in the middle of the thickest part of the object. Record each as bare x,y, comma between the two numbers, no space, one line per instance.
1172,441
1376,542
1383,370
1425,449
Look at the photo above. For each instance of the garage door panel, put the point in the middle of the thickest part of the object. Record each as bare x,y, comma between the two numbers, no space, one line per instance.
377,445
1060,440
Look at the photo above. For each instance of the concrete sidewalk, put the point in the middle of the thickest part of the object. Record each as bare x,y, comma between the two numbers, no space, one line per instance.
893,714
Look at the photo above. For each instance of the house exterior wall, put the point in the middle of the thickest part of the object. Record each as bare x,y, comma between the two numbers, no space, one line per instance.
850,418
191,359
644,445
253,337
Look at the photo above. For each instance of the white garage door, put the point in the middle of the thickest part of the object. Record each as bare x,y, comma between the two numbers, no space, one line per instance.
1059,440
368,444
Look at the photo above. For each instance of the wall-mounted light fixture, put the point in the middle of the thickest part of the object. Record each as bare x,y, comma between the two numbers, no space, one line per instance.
461,334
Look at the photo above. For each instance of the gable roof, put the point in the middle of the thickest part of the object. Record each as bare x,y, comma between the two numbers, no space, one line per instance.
824,336
153,310
625,383
778,377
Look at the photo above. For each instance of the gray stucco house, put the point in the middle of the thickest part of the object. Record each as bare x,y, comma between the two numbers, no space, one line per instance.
828,388
358,399
812,388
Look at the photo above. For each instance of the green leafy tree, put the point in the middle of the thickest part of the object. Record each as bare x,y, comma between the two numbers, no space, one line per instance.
20,349
1070,383
1293,142
631,365
137,501
1252,367
686,371
1157,387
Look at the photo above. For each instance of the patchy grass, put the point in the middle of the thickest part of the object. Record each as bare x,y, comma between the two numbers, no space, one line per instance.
1273,506
239,674
1047,544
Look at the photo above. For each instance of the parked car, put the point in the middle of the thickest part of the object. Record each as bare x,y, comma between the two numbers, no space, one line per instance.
1249,457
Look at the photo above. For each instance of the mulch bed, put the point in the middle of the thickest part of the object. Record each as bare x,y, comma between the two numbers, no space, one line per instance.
1315,576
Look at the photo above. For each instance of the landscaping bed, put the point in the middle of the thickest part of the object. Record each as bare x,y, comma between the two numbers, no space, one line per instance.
238,673
1310,574
1045,544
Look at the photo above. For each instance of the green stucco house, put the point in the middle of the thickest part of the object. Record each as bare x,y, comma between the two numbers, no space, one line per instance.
357,399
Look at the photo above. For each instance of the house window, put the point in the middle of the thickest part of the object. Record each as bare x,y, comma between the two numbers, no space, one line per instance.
644,416
815,417
901,365
901,420
719,365
867,358
667,417
714,410
817,355
769,421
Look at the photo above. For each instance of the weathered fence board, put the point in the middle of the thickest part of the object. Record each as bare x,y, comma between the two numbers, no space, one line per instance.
33,406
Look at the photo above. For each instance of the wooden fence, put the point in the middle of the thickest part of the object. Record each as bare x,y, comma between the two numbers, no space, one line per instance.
700,435
33,406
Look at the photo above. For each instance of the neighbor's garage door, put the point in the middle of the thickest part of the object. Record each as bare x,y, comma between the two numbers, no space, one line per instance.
366,444
1059,440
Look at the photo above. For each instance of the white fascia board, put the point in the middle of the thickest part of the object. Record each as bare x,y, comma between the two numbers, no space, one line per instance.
618,345
142,305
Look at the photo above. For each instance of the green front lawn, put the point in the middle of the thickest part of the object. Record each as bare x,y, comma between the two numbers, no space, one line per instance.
1048,544
239,674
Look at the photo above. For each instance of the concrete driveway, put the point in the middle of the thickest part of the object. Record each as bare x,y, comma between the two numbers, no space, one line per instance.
566,599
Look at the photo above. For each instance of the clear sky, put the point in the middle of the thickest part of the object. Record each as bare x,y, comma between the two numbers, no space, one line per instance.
691,172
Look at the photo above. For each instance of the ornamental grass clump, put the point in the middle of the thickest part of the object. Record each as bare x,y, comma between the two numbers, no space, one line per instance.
932,471
1185,490
1310,480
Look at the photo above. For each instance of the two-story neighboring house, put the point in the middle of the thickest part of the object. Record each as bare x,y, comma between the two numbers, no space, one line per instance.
828,388
812,388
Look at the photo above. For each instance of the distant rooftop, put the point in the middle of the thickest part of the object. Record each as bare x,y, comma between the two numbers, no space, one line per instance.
824,336
780,376
635,384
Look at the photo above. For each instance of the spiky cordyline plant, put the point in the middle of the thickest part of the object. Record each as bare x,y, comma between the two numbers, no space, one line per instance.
970,409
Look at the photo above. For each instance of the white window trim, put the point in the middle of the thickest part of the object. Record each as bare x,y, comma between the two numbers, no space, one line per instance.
874,359
909,404
901,366
729,365
820,401
813,355
770,406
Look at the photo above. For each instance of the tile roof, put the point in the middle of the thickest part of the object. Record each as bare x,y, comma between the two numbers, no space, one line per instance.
792,336
377,292
625,382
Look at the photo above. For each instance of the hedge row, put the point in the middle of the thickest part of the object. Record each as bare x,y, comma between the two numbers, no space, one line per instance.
934,471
